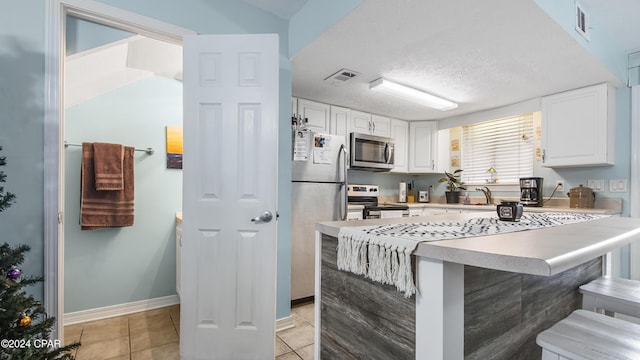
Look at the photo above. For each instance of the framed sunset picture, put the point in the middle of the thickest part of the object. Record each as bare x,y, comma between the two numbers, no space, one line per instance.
174,147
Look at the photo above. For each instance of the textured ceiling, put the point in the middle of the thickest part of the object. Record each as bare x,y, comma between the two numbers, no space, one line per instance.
481,54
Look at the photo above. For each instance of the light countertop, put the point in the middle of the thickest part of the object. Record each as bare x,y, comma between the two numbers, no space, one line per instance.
545,252
604,206
526,208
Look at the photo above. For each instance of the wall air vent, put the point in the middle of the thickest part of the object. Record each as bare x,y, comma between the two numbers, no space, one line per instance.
582,22
341,77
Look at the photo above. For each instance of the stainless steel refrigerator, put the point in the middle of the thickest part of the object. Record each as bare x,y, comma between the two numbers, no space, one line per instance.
318,193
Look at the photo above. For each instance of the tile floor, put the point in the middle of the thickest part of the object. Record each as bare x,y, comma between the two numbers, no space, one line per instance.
154,335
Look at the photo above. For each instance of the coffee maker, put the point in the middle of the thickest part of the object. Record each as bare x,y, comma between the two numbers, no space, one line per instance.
531,191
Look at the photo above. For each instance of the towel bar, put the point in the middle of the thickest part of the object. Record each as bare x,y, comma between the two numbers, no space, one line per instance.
149,151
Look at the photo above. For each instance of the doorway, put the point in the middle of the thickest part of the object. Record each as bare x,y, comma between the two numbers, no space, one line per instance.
58,10
128,92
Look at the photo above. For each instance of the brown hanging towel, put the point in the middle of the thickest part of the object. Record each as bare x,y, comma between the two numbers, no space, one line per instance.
108,162
105,209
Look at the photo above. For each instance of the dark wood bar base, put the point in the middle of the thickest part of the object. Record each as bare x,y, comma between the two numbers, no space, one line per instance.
503,311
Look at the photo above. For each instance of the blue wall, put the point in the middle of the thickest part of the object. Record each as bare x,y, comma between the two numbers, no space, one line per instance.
316,17
602,44
122,265
22,128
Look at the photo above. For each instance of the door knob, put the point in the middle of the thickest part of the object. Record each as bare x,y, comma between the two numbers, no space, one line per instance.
265,217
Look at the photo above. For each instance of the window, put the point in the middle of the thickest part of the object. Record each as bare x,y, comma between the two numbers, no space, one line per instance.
507,145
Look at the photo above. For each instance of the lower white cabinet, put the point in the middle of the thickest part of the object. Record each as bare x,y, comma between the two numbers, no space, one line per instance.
178,255
415,212
354,214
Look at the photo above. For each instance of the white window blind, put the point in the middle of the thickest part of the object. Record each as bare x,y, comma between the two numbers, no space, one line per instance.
505,144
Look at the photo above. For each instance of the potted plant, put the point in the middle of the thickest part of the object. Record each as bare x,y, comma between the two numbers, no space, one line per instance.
453,186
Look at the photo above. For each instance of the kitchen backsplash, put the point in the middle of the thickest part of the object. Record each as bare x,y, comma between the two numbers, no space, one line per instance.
388,183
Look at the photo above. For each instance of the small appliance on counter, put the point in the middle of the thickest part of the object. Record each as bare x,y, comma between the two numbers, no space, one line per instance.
423,196
531,191
509,210
367,195
581,197
402,194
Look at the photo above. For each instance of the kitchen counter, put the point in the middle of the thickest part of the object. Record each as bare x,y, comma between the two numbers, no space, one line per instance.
543,252
481,297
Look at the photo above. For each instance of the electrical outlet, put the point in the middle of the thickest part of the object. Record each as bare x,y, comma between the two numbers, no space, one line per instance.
596,185
559,185
618,185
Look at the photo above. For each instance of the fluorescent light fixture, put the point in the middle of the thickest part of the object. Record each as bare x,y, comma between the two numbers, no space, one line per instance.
411,94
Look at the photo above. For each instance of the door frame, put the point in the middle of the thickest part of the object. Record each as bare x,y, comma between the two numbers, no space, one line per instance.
55,29
634,196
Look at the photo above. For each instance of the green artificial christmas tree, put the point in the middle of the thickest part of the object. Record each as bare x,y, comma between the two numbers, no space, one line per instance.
25,328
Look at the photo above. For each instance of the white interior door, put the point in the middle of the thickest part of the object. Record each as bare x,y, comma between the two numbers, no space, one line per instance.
229,179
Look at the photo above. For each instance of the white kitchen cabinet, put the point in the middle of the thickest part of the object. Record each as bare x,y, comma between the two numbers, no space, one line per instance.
178,254
422,146
578,127
365,123
381,125
361,122
400,135
416,212
340,121
354,214
317,115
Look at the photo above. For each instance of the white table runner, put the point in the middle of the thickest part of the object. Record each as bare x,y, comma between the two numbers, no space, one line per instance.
383,252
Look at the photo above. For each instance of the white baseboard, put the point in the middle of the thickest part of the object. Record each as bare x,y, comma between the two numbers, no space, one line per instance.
143,305
119,310
284,323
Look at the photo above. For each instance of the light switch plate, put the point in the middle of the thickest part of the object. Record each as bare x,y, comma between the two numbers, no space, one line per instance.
618,185
596,185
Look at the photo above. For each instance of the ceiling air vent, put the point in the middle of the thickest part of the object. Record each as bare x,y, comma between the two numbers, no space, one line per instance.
341,76
582,22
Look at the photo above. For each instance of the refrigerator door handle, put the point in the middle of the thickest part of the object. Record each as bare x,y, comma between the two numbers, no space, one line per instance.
345,158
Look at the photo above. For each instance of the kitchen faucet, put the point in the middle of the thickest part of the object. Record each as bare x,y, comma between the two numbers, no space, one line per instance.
487,194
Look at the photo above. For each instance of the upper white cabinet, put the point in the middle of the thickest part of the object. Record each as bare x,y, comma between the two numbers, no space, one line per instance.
340,121
316,115
365,123
422,146
578,127
400,134
361,122
381,125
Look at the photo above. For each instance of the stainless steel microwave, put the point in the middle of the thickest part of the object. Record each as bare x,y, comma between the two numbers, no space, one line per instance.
371,152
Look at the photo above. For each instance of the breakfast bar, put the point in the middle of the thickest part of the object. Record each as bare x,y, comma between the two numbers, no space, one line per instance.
476,297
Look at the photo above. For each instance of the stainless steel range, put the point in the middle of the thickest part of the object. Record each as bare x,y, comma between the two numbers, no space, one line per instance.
367,195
